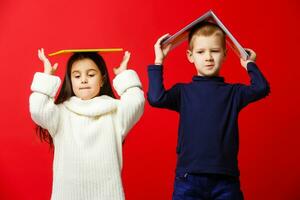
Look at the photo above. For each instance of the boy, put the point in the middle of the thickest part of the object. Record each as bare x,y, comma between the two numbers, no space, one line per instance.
207,149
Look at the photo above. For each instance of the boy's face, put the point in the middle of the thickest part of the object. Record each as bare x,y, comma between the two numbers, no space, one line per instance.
86,79
207,53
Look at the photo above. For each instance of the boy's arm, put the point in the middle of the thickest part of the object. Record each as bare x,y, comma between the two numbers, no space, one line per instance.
259,87
157,95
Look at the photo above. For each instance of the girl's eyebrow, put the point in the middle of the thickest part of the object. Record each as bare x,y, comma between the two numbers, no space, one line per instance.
91,70
77,71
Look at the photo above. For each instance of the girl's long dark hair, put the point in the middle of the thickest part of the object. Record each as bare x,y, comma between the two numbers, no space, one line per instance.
66,90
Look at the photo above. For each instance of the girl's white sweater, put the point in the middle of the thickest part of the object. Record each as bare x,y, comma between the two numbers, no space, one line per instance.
87,136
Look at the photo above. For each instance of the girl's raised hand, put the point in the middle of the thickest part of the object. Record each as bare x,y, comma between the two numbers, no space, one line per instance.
160,52
123,65
48,68
252,58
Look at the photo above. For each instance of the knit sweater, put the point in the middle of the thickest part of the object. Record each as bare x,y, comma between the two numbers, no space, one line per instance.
87,136
208,140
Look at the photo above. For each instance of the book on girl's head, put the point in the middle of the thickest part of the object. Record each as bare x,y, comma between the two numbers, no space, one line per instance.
110,50
209,16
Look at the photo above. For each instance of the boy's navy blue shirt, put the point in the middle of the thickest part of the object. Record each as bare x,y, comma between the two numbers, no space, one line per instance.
208,140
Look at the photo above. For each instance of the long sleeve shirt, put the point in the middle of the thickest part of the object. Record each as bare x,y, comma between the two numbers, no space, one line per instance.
208,140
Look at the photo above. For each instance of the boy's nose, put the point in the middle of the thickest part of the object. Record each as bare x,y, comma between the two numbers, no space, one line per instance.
208,56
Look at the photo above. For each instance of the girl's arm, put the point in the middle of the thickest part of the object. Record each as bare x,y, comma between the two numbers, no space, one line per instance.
131,104
41,102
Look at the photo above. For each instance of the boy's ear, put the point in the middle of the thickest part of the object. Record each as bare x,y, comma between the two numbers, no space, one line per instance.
225,52
189,55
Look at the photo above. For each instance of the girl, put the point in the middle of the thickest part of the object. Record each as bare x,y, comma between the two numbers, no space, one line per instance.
86,124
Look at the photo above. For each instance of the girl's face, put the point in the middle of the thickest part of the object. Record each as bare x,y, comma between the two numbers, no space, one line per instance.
86,79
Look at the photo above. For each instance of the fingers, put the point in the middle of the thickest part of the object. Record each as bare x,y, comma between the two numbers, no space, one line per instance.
162,38
126,56
41,55
252,54
123,65
125,60
167,48
48,68
55,67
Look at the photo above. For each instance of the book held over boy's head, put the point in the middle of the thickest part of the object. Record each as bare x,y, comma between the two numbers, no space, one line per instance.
209,16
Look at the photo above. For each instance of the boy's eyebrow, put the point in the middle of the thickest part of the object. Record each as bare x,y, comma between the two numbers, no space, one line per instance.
197,49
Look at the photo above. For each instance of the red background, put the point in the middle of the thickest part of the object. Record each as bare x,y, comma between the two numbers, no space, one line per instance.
269,132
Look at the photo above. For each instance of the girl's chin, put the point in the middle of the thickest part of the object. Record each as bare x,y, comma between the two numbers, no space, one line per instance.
86,97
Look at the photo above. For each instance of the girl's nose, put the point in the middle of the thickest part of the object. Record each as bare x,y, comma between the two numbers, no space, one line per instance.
83,79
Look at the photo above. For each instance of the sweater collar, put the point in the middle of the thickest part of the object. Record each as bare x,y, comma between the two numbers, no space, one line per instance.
93,107
208,79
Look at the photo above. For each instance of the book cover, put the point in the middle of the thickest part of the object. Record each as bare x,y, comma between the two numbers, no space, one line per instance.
182,35
110,50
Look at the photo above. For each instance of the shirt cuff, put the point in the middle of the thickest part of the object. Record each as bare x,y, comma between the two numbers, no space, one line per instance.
155,67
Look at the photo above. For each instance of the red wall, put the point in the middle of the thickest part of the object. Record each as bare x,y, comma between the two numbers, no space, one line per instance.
269,132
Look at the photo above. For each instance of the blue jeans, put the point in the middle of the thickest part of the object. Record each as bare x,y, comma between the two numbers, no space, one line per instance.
206,187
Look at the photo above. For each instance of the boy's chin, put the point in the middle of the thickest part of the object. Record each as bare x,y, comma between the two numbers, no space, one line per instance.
208,74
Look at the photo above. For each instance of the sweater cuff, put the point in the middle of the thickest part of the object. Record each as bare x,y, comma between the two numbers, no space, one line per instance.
125,80
45,84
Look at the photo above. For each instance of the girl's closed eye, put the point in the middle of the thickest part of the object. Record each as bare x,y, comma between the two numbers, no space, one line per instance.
76,75
91,75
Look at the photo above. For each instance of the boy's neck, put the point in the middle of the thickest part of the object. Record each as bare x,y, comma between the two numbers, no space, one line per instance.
210,76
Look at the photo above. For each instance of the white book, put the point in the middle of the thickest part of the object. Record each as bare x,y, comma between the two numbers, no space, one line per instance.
209,16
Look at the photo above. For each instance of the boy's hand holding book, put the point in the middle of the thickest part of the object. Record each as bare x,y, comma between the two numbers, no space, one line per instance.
251,58
160,52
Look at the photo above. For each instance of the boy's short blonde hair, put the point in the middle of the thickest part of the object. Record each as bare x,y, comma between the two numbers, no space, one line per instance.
206,29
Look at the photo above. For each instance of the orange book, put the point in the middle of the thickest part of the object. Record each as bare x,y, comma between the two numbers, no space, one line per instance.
110,50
